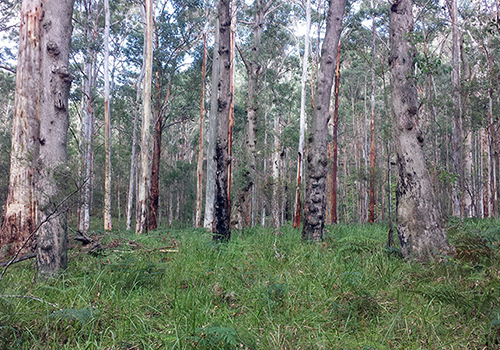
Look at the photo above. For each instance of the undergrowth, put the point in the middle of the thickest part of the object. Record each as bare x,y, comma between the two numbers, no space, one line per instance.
176,289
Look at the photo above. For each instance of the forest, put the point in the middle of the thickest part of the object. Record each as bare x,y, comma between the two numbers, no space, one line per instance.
266,174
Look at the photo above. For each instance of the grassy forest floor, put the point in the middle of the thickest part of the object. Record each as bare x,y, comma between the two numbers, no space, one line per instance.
176,289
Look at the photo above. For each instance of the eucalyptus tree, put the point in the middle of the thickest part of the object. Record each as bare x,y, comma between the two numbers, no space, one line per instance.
178,27
420,224
36,203
315,200
221,228
302,122
107,123
145,176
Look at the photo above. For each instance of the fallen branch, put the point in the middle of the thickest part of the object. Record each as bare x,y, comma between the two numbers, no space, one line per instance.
21,258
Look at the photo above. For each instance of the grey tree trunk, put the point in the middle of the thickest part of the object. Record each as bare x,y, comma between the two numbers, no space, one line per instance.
145,176
420,224
221,227
317,162
212,135
199,172
55,43
457,132
254,70
107,124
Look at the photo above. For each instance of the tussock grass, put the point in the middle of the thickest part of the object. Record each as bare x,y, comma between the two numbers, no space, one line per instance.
176,289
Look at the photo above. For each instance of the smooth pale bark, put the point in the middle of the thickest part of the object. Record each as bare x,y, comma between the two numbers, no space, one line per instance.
221,227
317,162
55,43
275,170
199,171
145,176
133,157
212,135
107,124
20,213
302,120
420,224
373,149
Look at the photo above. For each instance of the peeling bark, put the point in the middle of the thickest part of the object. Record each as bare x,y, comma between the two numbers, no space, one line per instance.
20,211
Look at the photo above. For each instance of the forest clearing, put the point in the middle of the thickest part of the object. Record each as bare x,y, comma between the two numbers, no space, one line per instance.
177,289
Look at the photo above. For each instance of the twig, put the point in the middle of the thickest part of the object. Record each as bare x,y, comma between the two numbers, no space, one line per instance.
38,227
30,297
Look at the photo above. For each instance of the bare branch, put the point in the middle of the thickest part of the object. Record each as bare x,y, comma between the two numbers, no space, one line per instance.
243,58
32,298
13,260
8,69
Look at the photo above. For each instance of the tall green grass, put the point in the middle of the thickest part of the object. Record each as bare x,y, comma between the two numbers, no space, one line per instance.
348,292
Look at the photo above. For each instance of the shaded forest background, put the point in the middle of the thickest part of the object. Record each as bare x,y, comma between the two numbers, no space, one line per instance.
176,88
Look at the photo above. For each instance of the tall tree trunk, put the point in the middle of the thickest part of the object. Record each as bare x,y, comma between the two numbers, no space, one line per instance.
264,171
154,193
145,177
133,156
89,82
420,223
212,135
199,178
221,227
373,149
457,132
335,151
107,124
303,117
275,202
55,42
254,70
20,213
315,201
